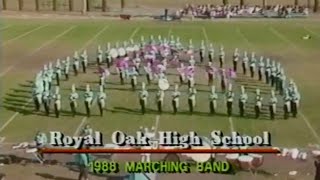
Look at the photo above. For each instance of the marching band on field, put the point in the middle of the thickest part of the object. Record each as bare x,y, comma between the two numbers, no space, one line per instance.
270,71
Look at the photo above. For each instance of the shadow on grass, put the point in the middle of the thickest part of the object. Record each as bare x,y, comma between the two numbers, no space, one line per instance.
49,176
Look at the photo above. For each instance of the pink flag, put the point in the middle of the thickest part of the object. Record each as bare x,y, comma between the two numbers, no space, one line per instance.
231,74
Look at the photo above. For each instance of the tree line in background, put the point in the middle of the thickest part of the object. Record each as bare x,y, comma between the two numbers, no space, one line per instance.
87,4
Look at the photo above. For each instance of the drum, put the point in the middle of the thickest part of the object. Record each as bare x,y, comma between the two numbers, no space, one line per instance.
136,48
113,53
257,160
190,52
245,162
316,153
121,52
163,84
233,159
201,157
294,153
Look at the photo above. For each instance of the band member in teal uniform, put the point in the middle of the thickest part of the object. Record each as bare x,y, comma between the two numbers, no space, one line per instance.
273,105
245,61
88,99
73,100
287,104
143,98
58,72
101,100
243,101
84,61
252,65
273,73
213,97
76,63
175,99
260,69
235,59
295,99
46,99
57,102
258,103
229,100
66,68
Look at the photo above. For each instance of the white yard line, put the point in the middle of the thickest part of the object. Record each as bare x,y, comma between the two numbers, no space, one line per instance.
90,41
6,27
304,118
311,32
83,121
204,31
246,40
231,124
47,43
14,116
2,139
133,34
169,33
24,34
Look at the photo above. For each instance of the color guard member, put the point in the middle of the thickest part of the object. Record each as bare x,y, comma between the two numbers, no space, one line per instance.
57,102
137,62
159,100
261,68
101,100
258,105
235,59
143,96
243,101
210,72
76,63
213,97
192,99
229,99
252,65
73,100
88,99
245,61
273,105
175,99
223,82
191,82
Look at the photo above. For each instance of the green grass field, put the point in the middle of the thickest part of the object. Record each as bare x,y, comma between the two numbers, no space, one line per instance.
25,52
